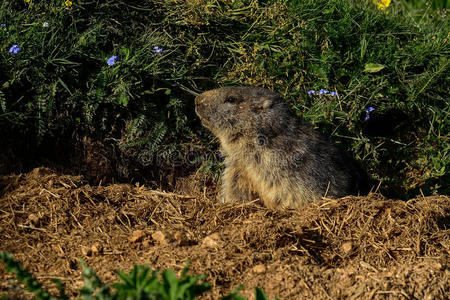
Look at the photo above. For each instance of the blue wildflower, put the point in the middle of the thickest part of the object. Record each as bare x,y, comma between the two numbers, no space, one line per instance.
368,111
323,91
312,92
3,25
112,60
333,94
158,50
14,49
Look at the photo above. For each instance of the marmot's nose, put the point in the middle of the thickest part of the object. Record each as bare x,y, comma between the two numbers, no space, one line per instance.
200,104
202,98
199,99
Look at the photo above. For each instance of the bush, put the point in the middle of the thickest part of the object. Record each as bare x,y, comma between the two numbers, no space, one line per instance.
59,84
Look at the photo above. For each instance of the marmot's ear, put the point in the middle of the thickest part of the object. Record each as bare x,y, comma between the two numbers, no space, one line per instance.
267,103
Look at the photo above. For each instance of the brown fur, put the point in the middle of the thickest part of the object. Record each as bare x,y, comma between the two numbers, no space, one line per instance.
270,153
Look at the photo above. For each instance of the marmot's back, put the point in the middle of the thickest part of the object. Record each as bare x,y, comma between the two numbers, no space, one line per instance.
271,153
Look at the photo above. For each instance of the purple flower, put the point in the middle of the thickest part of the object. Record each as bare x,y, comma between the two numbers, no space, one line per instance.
333,94
3,25
112,60
158,50
14,49
312,92
368,111
323,91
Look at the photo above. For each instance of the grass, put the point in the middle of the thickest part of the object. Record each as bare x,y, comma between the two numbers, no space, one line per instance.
59,85
421,4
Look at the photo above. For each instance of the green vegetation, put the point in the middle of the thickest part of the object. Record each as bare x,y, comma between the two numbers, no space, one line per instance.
396,61
420,4
141,283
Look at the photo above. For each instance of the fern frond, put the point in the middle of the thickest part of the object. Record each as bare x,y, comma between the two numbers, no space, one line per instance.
159,131
2,102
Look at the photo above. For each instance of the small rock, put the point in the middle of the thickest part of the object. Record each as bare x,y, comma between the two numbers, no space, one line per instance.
97,249
259,269
33,219
137,236
347,247
159,237
211,241
86,251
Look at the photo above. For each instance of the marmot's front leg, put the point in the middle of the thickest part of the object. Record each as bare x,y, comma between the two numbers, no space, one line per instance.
235,186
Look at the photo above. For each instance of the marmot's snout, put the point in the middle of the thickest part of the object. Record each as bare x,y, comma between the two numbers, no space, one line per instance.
201,102
203,106
201,99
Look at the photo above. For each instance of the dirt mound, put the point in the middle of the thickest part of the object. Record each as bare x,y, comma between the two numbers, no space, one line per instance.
354,247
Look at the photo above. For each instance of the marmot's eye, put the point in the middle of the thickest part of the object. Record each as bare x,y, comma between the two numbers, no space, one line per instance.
231,99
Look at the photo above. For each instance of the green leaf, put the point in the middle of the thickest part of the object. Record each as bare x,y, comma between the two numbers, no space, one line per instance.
373,68
235,295
260,294
123,99
64,86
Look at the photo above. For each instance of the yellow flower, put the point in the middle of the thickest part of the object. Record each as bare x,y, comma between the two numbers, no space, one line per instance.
68,3
27,1
382,4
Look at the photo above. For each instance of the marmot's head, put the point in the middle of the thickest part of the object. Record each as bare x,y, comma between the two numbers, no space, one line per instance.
235,112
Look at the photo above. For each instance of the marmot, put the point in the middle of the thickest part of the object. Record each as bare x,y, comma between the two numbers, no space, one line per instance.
271,153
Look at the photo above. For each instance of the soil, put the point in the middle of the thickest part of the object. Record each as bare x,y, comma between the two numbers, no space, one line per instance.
354,247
